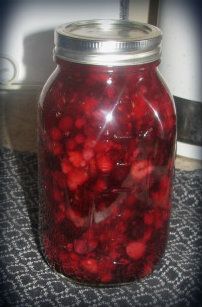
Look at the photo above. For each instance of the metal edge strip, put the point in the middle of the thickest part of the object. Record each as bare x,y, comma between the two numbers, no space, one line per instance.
189,121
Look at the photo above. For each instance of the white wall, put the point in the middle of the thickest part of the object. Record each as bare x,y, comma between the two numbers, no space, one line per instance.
139,10
28,38
181,52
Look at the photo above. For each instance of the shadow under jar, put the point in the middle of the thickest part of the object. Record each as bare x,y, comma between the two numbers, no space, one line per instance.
107,130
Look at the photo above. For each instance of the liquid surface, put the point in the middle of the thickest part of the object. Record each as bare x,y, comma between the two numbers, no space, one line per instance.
106,152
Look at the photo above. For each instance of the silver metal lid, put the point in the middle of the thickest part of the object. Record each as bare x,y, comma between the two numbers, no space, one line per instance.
108,42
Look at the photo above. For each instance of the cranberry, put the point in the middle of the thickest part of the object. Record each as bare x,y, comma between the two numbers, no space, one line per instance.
66,166
104,163
106,157
80,122
90,142
60,213
104,146
90,265
80,247
60,179
111,92
65,123
160,196
141,169
100,185
58,195
149,218
88,154
76,178
75,217
79,138
55,134
135,249
92,167
76,158
106,277
56,148
70,144
89,105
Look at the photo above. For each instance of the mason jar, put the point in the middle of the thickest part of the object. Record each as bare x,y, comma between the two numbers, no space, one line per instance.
106,138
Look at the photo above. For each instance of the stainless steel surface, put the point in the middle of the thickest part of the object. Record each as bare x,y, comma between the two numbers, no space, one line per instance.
189,121
124,9
108,42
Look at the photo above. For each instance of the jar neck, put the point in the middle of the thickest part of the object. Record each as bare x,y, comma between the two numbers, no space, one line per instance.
64,65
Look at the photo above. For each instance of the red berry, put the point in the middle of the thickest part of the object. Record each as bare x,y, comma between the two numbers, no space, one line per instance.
131,200
141,108
58,195
90,239
89,105
76,158
88,154
80,122
90,265
65,123
101,206
135,249
63,256
55,134
141,169
75,217
104,146
89,143
127,214
74,259
135,154
100,185
56,148
62,207
89,131
80,138
159,220
160,197
92,167
70,144
106,277
111,92
148,233
66,166
105,268
76,178
149,218
80,247
104,163
70,247
60,213
60,179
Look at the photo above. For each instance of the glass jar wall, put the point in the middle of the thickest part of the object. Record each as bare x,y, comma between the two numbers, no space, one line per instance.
106,158
106,126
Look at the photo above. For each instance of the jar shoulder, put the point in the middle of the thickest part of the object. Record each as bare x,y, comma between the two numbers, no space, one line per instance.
144,94
49,86
99,82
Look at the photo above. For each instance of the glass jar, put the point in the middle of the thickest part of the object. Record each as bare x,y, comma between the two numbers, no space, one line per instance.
106,127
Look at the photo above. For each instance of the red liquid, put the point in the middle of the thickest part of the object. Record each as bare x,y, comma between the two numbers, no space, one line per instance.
106,153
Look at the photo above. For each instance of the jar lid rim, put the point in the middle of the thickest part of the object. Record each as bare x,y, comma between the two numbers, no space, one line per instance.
108,42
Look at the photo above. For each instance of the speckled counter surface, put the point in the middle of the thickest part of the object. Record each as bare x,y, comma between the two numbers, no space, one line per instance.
18,109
